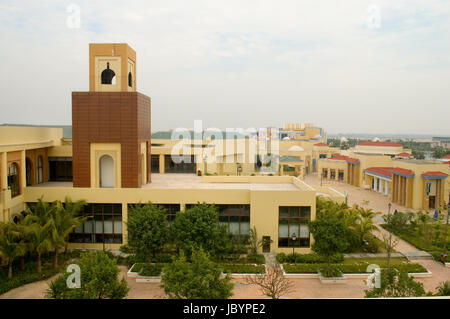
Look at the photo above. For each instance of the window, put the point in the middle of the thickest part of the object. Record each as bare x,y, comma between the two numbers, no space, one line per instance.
60,169
106,171
236,218
108,75
29,171
155,163
104,225
13,179
130,79
179,164
171,211
39,170
293,220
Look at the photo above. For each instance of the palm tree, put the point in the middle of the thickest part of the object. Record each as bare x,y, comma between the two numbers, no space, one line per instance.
11,243
365,222
38,238
40,228
65,220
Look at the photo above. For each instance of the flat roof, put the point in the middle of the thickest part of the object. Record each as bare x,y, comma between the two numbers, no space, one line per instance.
192,181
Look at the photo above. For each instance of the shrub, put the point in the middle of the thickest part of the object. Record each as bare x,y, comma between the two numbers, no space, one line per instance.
349,268
99,280
443,289
307,258
330,270
151,270
243,269
199,279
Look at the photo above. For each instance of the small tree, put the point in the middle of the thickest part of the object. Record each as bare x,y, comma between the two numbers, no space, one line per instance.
329,239
99,280
394,284
254,241
11,243
389,243
147,229
197,227
198,279
273,284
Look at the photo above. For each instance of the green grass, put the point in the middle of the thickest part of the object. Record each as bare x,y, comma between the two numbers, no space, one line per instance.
349,268
377,260
413,238
243,269
151,270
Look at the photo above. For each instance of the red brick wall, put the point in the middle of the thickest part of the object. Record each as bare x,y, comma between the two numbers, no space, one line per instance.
110,117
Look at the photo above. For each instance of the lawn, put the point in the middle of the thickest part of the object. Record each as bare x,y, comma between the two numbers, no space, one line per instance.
414,238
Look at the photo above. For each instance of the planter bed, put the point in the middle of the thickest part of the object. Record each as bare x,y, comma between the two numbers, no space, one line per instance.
332,280
243,270
142,272
415,269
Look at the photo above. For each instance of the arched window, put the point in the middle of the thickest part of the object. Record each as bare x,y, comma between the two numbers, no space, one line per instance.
106,171
108,75
39,171
29,171
13,179
130,79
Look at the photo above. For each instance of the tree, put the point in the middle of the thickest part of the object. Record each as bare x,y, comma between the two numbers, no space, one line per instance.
273,284
329,239
394,284
40,228
389,243
197,227
365,222
198,279
147,229
70,219
11,243
254,241
99,279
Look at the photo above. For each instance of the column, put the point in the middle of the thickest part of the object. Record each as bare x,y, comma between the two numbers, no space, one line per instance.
23,172
329,173
124,223
161,163
386,187
4,172
336,176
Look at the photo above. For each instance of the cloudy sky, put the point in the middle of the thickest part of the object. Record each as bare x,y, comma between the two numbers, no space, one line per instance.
350,66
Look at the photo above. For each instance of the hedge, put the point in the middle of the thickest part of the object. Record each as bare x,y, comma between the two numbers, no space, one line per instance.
349,268
307,258
236,259
243,269
151,270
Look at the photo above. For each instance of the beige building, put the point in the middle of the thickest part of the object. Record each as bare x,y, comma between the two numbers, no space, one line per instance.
416,184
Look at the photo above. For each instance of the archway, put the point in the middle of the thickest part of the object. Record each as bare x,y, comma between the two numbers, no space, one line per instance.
106,171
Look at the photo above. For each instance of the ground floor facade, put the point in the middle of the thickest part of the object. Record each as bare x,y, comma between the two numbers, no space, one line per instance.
280,207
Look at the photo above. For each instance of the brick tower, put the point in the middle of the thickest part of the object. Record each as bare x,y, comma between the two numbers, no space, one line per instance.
111,123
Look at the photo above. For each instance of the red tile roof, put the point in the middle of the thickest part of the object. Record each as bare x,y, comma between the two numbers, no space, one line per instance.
446,156
384,171
369,143
402,171
320,144
440,174
340,157
404,154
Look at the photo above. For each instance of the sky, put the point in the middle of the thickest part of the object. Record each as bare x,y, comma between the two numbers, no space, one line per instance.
349,66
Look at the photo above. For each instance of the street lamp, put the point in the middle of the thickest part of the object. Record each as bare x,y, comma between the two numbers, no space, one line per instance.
293,238
389,208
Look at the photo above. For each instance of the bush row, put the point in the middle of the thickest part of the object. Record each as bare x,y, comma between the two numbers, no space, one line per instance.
307,258
237,259
243,269
348,268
